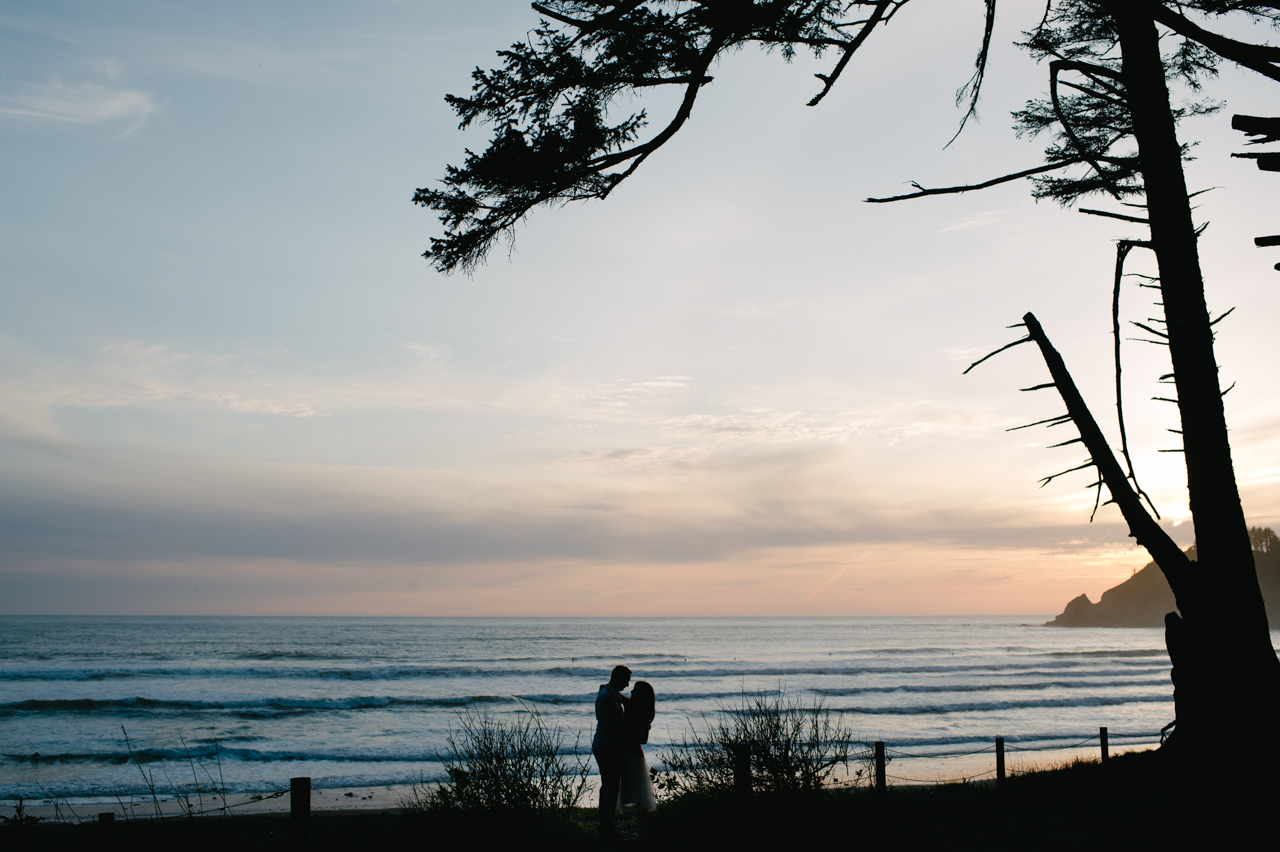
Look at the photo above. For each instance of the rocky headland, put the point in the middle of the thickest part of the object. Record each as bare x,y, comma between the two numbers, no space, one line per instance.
1143,599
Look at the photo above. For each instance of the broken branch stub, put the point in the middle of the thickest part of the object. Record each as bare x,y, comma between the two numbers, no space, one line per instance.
1269,162
1266,129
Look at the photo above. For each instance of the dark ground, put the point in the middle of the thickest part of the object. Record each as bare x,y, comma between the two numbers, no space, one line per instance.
1135,802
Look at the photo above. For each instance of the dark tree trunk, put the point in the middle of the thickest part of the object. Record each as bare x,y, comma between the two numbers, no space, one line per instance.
1226,676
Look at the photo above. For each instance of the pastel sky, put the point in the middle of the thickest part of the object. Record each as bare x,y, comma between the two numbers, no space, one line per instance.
230,384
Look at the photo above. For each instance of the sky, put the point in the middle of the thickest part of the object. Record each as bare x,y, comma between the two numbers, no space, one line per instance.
229,383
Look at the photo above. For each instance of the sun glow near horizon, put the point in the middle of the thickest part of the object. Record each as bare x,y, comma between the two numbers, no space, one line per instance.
726,391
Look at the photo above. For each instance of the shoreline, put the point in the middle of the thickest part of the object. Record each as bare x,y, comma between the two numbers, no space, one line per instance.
907,773
1068,807
376,799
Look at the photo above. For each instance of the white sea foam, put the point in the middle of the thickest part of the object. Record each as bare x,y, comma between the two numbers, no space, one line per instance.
366,702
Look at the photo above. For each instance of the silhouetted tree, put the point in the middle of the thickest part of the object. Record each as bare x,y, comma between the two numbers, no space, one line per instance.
1264,540
1113,127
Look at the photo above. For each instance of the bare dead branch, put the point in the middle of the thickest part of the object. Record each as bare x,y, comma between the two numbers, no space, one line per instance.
1263,129
1122,252
829,80
997,352
1119,216
1061,164
1052,421
643,82
1172,561
1048,479
1149,329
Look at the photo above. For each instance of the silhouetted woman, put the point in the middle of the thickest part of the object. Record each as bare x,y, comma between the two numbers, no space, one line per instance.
637,787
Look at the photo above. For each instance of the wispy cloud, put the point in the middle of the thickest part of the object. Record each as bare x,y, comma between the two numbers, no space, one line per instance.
77,103
978,221
126,374
759,309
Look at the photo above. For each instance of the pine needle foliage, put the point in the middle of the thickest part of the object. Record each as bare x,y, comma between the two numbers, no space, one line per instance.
555,138
1087,114
549,101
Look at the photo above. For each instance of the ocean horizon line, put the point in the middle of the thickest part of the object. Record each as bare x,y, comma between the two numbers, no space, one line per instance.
521,617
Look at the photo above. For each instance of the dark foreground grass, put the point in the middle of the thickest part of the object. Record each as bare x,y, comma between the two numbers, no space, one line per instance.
1135,802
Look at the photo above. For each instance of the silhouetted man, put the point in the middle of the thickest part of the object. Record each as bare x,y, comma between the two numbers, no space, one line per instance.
609,743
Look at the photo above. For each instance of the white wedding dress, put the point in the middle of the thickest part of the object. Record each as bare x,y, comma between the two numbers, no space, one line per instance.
637,786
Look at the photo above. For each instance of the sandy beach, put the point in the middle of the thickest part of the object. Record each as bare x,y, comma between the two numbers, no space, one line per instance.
210,805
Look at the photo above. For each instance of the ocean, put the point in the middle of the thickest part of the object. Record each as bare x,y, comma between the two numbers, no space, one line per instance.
365,704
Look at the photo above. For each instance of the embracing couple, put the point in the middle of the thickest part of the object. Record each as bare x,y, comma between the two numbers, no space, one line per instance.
622,727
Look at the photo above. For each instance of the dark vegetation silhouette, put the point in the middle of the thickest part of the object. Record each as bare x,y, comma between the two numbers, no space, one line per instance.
790,745
1112,123
495,766
1126,804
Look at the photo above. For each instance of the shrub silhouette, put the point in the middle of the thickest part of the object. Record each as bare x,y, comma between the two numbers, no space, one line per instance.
794,747
493,765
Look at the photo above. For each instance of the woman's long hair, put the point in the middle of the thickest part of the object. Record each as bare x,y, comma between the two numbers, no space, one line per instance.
643,701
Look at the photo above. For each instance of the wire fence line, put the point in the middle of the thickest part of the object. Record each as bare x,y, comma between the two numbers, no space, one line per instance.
940,780
185,812
253,801
998,751
899,753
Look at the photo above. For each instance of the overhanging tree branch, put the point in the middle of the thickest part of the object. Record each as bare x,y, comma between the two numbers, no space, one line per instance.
973,88
829,80
550,100
1258,57
993,182
697,80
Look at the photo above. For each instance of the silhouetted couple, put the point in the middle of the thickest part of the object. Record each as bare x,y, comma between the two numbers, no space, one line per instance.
622,728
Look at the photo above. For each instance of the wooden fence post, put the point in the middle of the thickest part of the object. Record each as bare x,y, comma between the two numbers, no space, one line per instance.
880,780
741,754
999,761
1102,738
300,811
106,830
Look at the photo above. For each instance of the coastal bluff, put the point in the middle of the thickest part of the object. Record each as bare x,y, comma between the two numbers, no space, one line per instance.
1143,599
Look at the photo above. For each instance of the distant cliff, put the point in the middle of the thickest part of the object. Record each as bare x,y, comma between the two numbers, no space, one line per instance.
1143,599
